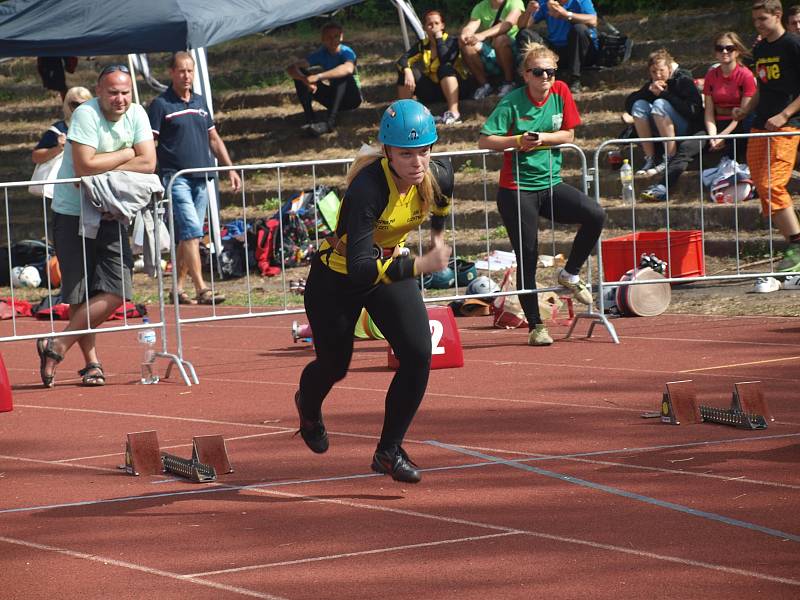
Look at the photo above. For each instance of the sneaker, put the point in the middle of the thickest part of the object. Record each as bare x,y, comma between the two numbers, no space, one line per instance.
791,259
313,432
656,193
505,88
319,129
482,92
657,169
539,336
765,285
649,163
791,283
579,290
449,118
397,464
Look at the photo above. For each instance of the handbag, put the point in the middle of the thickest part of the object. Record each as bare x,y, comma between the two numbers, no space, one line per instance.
46,171
508,313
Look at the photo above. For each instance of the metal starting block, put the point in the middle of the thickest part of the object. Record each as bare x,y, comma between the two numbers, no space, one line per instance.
141,454
188,468
732,417
210,450
679,406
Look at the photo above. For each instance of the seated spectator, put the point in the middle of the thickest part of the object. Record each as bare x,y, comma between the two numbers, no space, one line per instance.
433,71
328,76
571,33
727,85
53,140
487,44
668,105
793,19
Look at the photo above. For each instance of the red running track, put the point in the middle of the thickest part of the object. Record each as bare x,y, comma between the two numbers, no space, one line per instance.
541,479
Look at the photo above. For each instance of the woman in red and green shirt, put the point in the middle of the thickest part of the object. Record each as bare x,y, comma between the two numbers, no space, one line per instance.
542,113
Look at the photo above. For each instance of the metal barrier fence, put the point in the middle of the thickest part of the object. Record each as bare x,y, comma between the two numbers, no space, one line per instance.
701,223
310,177
14,206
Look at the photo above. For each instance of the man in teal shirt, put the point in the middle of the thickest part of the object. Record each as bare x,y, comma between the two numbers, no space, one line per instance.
487,43
106,133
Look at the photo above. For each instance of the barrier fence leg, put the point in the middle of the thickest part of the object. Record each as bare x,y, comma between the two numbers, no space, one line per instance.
597,319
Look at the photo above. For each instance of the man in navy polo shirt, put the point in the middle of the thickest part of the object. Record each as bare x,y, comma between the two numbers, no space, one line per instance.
186,135
571,32
328,76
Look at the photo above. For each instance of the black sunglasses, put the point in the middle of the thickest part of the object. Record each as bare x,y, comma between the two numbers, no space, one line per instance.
74,104
537,72
111,69
729,48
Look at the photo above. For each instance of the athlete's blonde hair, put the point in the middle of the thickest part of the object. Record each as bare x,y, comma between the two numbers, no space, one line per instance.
428,188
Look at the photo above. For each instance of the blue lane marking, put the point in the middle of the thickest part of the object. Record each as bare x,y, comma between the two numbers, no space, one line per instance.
618,492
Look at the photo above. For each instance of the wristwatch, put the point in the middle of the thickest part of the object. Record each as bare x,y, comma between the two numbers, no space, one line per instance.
569,16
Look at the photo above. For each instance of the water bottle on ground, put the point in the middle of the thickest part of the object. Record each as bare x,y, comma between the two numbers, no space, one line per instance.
626,178
147,339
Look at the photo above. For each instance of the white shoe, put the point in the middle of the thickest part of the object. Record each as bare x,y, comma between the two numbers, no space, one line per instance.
504,89
765,285
482,92
449,118
791,283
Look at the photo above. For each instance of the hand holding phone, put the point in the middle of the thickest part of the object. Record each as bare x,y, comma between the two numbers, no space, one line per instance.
532,136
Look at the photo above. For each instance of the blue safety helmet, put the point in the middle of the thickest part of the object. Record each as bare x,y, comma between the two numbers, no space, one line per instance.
407,124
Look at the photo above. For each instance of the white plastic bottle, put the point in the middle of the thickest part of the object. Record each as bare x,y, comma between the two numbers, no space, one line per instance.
626,178
147,338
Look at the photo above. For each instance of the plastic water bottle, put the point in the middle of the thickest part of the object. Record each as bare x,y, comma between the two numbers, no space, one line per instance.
147,338
626,178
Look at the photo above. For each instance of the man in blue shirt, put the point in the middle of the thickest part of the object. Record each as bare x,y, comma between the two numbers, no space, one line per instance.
328,76
571,33
184,128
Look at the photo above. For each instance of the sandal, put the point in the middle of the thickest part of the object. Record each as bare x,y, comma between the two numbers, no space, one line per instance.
44,351
183,298
207,296
92,375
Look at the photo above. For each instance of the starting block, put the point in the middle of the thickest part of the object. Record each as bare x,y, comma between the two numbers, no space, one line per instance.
211,450
141,454
6,400
446,350
679,406
209,457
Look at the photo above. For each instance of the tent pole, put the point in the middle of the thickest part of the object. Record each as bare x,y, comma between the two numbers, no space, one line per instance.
133,79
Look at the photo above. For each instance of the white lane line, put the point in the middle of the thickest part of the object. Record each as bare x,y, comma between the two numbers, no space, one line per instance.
141,568
311,559
546,536
58,463
150,416
744,364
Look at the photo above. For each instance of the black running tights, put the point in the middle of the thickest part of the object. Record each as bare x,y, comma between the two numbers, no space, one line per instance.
333,306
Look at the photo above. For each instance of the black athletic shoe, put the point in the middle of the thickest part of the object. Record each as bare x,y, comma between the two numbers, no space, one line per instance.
312,432
397,464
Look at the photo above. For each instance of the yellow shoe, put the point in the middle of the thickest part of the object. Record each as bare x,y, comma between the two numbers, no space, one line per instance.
539,336
579,290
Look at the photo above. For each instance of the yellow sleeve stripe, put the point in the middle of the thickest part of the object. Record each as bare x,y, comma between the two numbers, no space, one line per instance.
382,268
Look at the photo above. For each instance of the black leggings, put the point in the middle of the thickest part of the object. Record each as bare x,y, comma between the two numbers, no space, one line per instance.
568,206
333,306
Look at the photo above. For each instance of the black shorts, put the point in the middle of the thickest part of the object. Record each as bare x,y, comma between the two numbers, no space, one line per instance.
428,91
109,260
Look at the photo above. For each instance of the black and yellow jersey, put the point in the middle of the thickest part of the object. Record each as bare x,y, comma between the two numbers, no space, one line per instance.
420,55
374,218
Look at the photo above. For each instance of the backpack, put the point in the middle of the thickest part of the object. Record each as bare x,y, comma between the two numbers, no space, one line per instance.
614,47
264,233
297,248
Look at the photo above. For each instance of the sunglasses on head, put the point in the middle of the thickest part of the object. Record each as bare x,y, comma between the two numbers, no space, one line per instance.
727,48
537,72
111,69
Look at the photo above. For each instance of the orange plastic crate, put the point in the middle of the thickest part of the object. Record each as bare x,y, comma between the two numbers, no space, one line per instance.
685,255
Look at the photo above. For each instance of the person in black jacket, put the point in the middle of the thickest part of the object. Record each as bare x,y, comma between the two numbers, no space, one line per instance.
432,70
668,105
